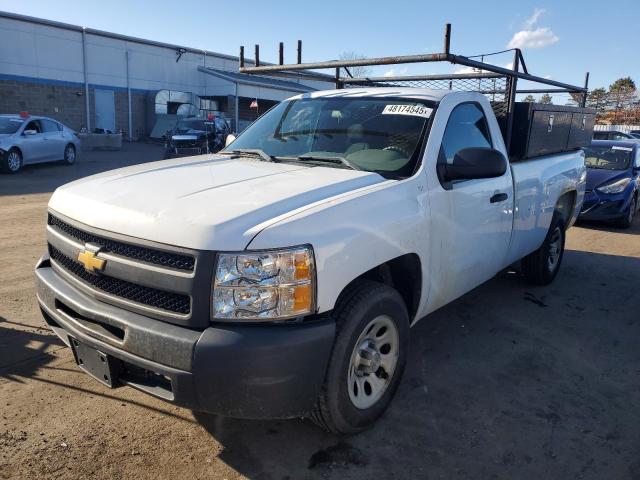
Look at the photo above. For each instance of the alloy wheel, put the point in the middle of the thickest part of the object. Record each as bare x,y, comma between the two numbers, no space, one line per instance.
70,154
14,161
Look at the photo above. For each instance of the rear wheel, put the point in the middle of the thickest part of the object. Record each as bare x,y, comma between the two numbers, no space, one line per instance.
12,161
627,218
70,154
367,361
542,266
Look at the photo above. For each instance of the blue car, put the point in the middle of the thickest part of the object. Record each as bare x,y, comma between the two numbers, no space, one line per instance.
613,181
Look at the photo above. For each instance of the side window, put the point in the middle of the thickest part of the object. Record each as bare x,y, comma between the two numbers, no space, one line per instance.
34,125
467,127
638,157
49,126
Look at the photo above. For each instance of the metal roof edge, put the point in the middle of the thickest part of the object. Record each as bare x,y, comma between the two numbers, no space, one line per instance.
257,81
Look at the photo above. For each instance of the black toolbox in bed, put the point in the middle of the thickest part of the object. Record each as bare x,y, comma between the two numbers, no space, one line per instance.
542,129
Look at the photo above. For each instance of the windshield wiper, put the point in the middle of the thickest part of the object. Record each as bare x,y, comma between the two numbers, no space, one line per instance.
252,152
328,159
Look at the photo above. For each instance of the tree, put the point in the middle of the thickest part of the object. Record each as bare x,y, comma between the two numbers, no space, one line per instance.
546,98
529,99
576,98
356,72
622,92
598,99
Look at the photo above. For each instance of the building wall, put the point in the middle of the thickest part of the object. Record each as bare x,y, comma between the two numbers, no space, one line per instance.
63,103
67,104
42,71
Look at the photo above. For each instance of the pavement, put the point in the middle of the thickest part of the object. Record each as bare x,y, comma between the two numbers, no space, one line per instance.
509,381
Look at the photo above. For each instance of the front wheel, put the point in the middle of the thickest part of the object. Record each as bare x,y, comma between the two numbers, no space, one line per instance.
367,361
12,161
627,218
542,266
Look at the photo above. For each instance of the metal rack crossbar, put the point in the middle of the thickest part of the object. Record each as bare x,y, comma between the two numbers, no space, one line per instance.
498,83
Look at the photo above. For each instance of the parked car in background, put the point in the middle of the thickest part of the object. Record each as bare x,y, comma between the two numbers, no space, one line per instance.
196,136
613,135
26,139
635,134
613,181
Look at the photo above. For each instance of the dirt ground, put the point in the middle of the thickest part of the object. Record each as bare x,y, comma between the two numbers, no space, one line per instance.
507,382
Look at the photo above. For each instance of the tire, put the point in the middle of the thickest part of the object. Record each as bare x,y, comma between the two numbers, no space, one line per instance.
542,266
372,332
627,219
12,161
69,154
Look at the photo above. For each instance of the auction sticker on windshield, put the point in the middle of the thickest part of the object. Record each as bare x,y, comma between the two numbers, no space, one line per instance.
416,110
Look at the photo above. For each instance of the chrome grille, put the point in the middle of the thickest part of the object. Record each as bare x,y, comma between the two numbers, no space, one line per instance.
152,297
135,252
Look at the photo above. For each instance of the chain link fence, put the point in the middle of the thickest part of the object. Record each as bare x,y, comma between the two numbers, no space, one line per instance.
495,88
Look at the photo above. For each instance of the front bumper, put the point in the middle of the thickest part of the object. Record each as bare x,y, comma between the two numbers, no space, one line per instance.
601,207
243,371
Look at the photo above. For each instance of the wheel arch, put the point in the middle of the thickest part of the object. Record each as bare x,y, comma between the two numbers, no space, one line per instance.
403,273
16,147
566,206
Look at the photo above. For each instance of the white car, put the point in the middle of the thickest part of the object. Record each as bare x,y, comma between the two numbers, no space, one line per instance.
280,277
32,139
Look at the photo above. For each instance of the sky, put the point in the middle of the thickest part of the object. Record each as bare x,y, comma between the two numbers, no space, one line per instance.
560,39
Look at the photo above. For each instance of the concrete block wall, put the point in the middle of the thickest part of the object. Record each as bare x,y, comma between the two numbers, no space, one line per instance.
63,103
67,104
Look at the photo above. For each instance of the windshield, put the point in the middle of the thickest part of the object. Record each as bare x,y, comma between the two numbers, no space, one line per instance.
608,157
373,134
10,125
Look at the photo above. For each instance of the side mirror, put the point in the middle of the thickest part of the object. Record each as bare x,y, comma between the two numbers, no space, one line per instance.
30,132
473,163
230,138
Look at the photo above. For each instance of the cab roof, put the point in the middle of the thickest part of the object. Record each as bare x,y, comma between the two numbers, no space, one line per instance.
380,92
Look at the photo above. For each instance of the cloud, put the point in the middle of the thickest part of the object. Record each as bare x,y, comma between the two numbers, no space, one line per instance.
538,38
530,22
531,37
467,70
392,72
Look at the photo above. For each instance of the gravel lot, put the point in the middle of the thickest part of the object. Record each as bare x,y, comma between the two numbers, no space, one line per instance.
509,381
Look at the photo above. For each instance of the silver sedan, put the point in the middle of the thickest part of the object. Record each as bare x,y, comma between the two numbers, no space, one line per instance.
30,139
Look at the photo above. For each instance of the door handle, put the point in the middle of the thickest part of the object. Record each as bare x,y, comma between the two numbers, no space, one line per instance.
498,197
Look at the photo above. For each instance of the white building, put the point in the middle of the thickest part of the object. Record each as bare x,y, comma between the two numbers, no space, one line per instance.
95,79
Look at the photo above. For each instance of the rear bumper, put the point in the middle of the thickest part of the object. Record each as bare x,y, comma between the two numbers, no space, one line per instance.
243,371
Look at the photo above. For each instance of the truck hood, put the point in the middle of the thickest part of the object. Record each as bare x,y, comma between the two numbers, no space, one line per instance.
206,202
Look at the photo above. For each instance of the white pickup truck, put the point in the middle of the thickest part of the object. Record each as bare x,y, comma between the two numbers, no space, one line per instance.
280,277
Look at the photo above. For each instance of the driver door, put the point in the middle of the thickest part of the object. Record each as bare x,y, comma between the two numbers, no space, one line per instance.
471,219
33,146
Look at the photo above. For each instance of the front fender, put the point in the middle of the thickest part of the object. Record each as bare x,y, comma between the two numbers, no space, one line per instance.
352,234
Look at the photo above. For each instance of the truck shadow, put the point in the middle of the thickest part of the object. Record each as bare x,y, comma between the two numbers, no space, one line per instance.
24,352
509,381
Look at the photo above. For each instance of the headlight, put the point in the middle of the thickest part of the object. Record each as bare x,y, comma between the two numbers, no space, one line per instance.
264,285
615,187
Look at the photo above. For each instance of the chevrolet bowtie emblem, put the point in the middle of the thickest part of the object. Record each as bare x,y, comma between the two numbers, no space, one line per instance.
88,258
